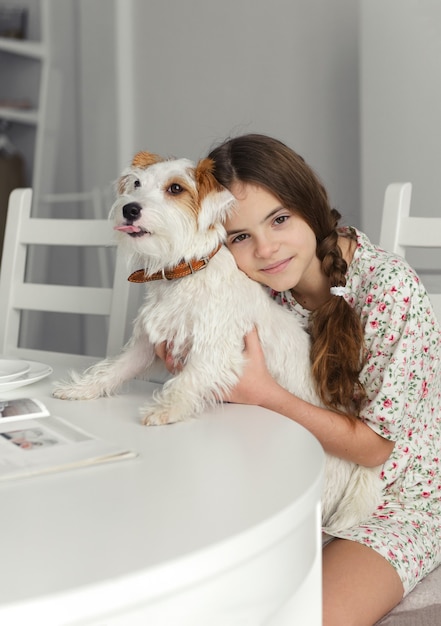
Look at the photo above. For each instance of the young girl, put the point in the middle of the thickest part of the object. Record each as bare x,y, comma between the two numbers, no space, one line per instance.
375,355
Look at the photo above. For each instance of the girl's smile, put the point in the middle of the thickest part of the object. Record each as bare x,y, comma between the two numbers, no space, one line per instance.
277,267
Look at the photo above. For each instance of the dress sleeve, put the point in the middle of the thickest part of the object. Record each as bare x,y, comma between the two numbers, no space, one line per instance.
398,334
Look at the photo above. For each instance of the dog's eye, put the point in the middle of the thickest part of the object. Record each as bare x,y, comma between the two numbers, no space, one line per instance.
175,189
137,183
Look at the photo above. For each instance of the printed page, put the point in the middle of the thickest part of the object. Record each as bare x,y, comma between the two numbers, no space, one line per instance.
21,408
34,446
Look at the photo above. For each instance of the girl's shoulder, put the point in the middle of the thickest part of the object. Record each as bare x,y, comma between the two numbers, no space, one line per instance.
377,272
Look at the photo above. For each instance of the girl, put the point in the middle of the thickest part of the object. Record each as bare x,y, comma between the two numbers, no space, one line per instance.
375,357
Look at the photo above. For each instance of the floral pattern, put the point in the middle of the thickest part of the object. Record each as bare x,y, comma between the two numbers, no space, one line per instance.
402,377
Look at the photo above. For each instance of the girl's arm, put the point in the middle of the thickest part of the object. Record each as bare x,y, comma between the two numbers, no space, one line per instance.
349,439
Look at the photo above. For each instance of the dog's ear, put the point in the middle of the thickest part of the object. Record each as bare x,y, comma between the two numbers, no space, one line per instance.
215,200
205,180
145,159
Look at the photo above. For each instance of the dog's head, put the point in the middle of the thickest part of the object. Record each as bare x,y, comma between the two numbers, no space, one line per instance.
169,210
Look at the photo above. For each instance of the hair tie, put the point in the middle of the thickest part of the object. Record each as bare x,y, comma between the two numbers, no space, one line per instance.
338,291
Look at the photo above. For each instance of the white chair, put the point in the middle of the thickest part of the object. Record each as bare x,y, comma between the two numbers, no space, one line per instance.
18,295
400,231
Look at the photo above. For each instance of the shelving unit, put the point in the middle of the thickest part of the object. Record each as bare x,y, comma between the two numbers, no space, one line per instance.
24,89
23,60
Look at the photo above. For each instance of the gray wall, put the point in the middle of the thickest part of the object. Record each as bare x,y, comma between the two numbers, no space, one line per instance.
400,74
400,78
176,77
203,70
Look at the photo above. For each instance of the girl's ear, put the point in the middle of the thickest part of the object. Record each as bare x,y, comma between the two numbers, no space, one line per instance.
215,201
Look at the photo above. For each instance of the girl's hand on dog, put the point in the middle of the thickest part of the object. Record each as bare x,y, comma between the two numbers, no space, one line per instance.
164,351
256,381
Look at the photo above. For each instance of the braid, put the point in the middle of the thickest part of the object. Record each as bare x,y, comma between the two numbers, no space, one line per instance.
336,337
329,253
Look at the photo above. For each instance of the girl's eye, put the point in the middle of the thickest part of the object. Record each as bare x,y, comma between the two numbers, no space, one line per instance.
239,238
281,218
175,189
137,183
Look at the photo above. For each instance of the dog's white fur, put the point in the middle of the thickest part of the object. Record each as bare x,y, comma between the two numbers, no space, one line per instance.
205,317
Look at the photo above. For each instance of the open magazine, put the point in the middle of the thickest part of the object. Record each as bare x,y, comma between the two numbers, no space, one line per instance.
33,442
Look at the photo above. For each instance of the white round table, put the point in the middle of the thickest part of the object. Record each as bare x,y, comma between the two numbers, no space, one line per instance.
215,522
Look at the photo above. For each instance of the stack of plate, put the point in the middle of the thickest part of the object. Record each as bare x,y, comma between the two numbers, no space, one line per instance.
18,373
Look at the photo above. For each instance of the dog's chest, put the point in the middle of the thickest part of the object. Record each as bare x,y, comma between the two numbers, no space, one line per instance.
215,302
174,308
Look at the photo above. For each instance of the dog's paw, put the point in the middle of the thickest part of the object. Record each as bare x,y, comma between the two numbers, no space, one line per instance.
159,416
155,417
69,391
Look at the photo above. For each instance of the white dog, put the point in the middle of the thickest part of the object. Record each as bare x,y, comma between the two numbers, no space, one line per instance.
169,215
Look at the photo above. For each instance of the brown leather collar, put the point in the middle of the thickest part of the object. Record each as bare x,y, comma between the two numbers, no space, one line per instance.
181,270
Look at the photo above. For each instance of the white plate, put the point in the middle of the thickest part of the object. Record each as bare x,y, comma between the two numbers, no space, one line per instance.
36,371
12,369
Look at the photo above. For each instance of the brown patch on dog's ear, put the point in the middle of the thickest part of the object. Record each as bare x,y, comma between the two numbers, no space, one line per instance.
214,199
145,159
122,184
205,180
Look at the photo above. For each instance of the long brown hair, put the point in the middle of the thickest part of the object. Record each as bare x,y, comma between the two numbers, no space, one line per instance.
337,342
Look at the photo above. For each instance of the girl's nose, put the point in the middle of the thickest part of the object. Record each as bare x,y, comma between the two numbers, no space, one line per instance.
265,248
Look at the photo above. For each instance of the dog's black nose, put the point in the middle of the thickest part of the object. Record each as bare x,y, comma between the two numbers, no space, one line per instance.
132,211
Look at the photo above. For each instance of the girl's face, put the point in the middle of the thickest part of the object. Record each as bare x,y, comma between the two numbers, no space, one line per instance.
271,244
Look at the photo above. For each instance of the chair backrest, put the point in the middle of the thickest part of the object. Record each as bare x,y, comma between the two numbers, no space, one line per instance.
18,295
400,231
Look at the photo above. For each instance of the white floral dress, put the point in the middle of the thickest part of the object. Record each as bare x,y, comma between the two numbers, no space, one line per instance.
402,378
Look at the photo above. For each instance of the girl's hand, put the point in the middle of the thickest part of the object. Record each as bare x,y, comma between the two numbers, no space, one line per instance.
256,379
164,351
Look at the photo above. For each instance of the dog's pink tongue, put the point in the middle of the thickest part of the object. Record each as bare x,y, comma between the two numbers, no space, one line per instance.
128,228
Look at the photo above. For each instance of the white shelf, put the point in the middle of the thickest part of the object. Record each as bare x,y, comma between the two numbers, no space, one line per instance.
30,49
22,116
